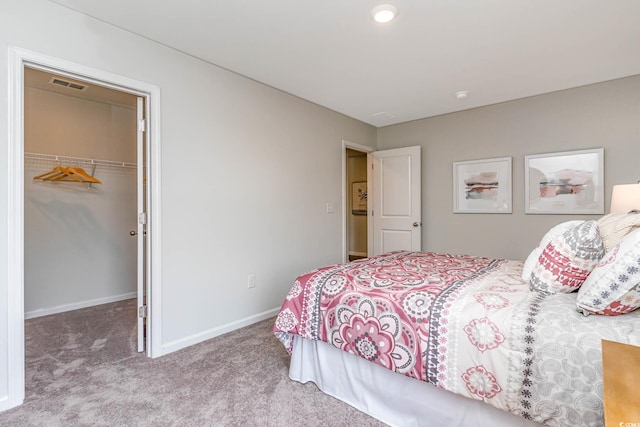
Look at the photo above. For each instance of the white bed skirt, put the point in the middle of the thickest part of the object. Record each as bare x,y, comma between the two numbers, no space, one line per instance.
394,399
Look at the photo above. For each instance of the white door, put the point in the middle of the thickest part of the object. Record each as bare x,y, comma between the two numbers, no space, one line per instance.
396,203
142,305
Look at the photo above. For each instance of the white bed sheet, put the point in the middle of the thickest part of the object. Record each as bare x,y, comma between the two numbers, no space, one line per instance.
394,399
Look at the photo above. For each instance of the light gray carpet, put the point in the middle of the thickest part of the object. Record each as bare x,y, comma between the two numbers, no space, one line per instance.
82,370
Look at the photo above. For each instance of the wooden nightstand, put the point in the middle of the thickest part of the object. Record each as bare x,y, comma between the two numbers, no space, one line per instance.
621,372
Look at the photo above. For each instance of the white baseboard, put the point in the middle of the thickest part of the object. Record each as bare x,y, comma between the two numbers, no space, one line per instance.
76,305
4,403
176,345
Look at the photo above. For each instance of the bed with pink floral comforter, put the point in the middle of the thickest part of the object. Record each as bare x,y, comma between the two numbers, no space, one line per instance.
466,324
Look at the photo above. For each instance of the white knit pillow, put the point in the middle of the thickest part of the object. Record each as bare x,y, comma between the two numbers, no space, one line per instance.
614,227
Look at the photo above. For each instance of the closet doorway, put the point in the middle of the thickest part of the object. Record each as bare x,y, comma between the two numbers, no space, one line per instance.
83,149
145,230
356,214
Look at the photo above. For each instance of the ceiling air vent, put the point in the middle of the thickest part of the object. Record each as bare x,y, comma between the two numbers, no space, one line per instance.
66,83
383,115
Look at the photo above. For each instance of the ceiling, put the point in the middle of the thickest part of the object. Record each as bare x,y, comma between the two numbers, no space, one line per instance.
44,81
330,52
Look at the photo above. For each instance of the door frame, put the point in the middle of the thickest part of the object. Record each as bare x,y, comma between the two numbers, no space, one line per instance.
142,141
19,59
345,195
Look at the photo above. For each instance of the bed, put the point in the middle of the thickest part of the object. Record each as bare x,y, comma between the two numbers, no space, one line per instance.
420,338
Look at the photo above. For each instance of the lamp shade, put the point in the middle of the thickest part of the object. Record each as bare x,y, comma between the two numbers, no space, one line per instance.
625,198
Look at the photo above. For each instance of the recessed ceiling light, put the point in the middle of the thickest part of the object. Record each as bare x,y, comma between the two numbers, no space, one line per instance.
462,94
384,13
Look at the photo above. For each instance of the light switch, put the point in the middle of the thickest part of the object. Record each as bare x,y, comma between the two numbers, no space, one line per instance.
329,207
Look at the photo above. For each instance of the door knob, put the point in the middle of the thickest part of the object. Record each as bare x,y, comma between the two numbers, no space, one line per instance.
133,233
417,224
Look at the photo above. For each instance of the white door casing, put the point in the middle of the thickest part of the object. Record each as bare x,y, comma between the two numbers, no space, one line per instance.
18,59
346,194
395,196
140,179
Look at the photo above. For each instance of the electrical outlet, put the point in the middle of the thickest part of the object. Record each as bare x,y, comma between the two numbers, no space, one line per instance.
251,281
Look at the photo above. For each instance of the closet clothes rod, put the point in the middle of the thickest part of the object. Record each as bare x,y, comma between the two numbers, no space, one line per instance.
79,160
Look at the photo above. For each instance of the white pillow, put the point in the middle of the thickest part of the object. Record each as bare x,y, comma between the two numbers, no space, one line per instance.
614,227
613,287
555,231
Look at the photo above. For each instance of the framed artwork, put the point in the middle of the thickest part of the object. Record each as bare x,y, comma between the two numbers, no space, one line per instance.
482,186
570,182
359,198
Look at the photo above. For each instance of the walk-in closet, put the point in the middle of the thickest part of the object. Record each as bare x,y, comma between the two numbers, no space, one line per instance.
79,194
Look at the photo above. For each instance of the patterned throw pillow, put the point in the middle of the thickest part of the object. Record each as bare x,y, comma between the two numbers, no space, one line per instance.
567,260
613,287
555,231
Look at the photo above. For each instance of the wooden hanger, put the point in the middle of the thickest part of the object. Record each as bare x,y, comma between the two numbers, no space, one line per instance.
74,174
68,175
79,172
52,173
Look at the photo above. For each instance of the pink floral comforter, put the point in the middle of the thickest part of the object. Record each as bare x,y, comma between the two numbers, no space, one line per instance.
467,324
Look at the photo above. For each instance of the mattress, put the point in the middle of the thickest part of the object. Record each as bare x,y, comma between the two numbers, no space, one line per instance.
468,325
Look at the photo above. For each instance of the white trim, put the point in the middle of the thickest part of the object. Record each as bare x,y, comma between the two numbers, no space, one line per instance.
345,203
154,227
176,345
15,233
18,59
77,305
4,403
370,201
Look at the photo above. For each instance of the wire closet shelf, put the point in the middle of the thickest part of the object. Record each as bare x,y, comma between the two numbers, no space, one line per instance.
79,160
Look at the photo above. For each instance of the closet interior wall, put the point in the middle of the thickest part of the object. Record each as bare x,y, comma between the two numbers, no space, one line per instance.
78,251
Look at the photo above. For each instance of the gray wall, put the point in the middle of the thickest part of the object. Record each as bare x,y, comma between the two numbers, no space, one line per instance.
601,115
77,247
247,170
246,173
